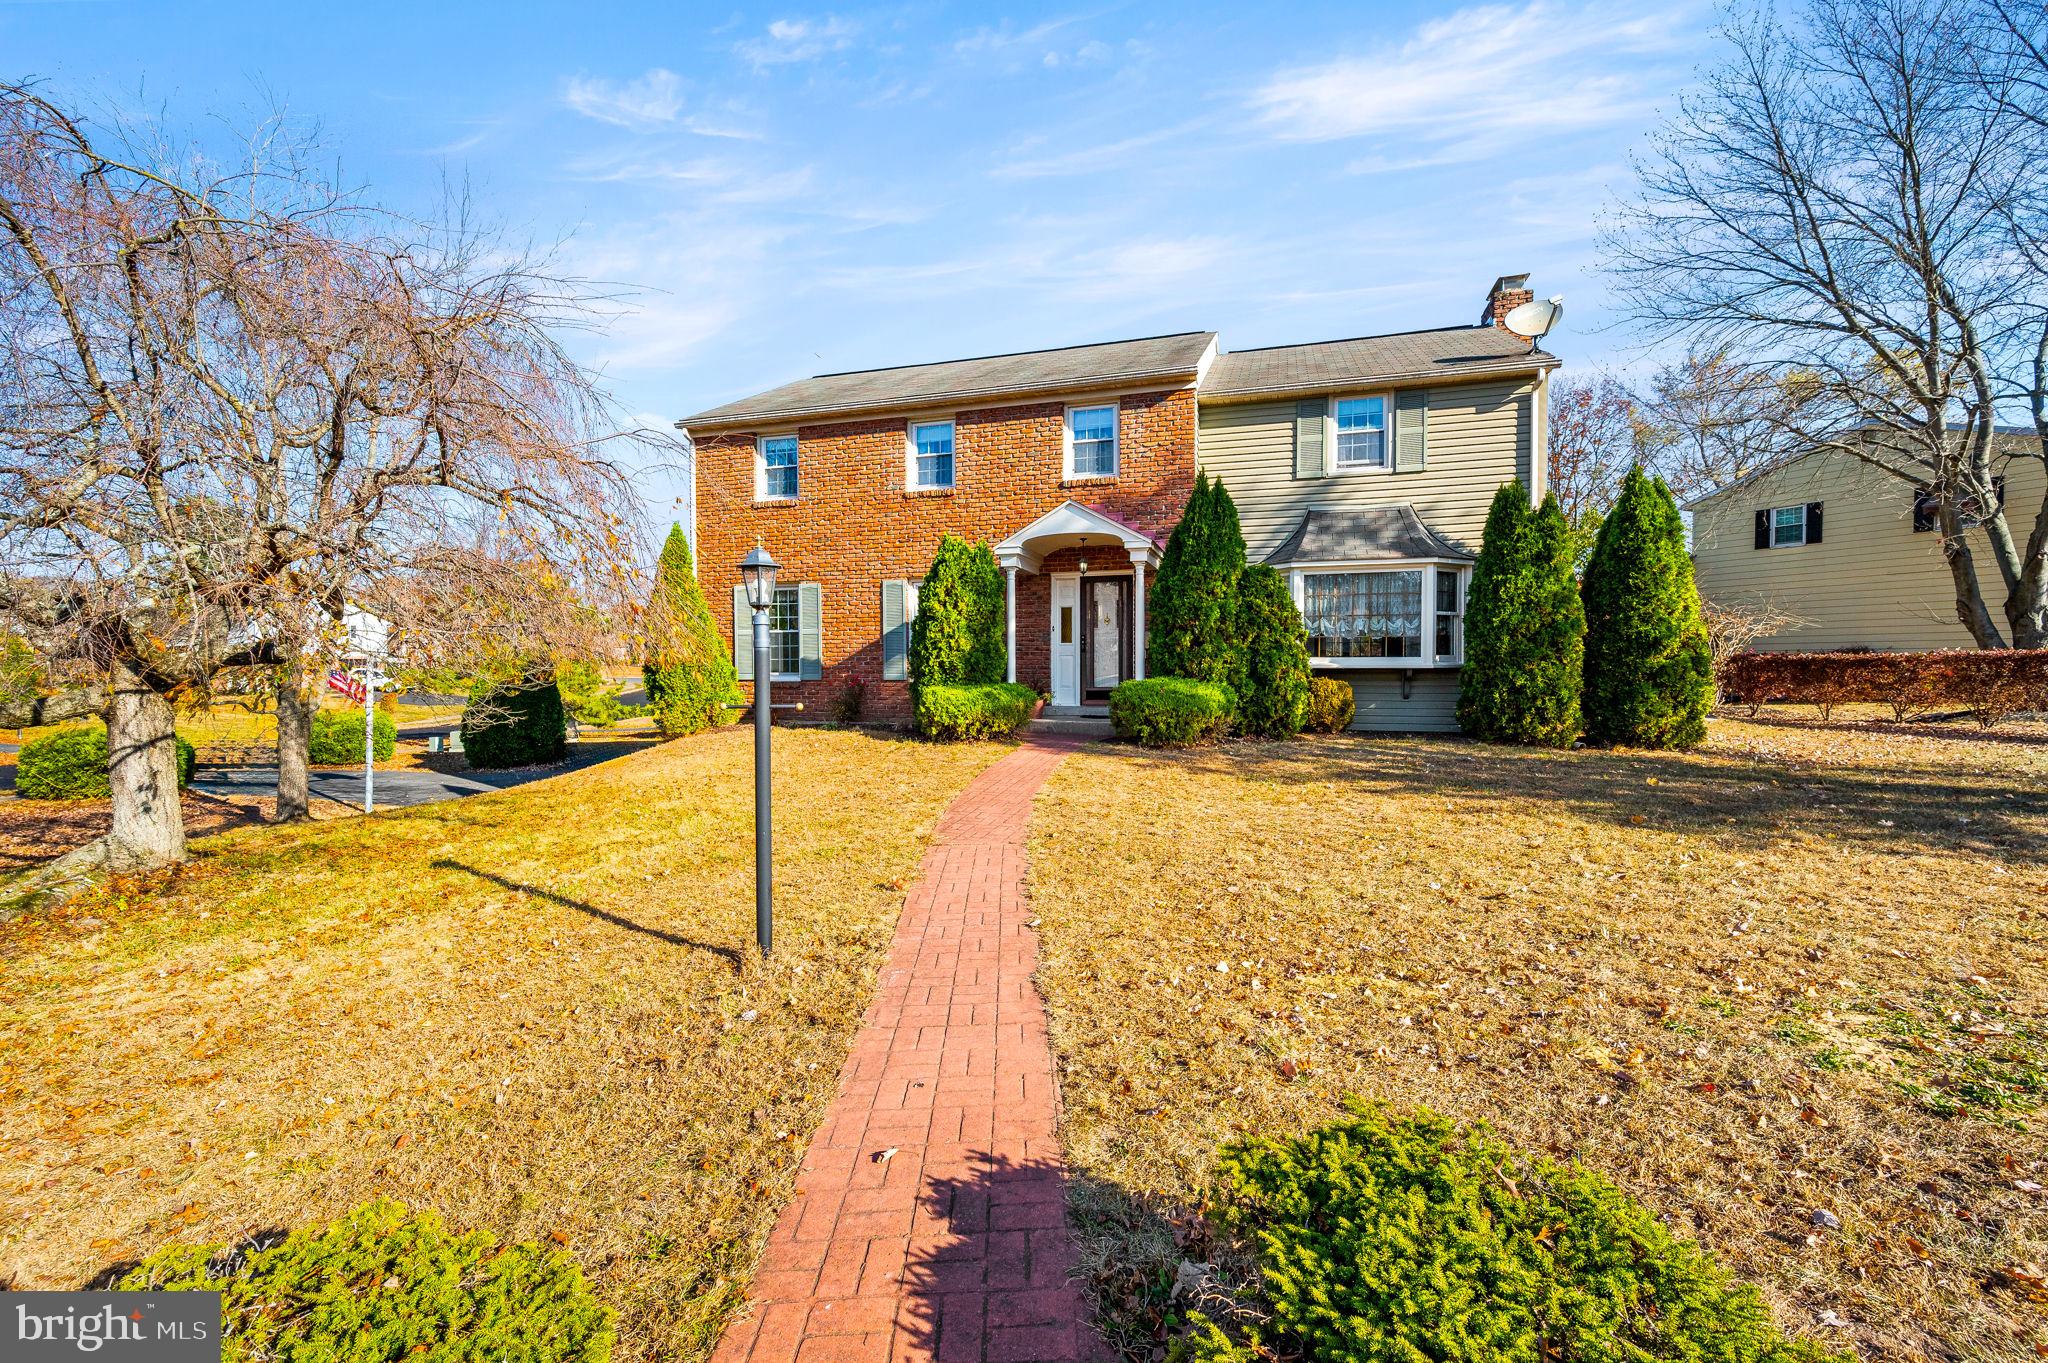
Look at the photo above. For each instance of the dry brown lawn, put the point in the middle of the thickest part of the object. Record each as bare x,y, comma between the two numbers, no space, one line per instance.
530,1010
1797,977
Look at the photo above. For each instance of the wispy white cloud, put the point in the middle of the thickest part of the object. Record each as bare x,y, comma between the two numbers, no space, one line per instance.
798,40
1485,77
712,179
1064,259
646,101
1088,160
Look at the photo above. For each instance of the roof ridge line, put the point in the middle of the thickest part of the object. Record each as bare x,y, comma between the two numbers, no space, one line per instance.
1375,336
1010,354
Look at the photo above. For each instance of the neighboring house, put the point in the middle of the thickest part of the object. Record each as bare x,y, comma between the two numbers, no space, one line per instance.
1849,552
1363,468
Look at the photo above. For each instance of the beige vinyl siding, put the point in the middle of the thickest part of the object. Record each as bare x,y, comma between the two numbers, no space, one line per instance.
1479,436
1871,582
1430,707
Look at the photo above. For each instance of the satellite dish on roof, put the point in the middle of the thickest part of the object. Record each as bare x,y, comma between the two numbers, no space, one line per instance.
1534,320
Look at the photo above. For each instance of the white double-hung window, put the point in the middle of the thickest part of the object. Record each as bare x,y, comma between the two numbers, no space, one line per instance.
1362,432
785,635
931,455
775,462
1091,442
1379,616
1788,526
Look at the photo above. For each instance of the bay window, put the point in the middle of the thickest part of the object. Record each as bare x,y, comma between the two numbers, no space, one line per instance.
1392,613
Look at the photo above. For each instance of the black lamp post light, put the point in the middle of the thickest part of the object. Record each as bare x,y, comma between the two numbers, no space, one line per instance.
757,572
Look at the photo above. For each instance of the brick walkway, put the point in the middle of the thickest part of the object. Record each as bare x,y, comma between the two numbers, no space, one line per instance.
955,1245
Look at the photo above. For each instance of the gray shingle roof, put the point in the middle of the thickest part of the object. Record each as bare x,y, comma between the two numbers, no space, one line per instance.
1071,368
1372,534
1450,352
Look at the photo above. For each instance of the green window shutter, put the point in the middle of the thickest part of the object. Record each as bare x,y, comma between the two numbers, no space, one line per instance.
742,634
895,630
810,631
1411,430
1309,415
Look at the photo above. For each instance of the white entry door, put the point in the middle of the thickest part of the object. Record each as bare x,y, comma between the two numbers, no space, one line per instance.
1066,639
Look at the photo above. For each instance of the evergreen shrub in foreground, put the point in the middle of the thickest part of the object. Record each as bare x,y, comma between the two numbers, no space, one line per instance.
385,1285
1171,712
337,738
1332,705
515,722
1524,628
1649,671
1273,701
1408,1238
987,710
71,764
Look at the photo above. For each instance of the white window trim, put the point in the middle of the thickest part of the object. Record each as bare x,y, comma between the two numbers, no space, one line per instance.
1386,434
1430,568
761,465
797,675
1116,443
910,453
1799,543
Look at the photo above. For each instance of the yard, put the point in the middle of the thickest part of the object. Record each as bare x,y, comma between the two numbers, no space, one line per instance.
528,1010
1791,990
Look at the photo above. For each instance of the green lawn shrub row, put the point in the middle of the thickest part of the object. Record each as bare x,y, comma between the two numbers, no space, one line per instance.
337,738
1171,712
972,710
71,764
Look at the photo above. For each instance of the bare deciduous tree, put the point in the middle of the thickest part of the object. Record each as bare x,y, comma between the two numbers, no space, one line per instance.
1595,435
1712,421
232,400
1837,202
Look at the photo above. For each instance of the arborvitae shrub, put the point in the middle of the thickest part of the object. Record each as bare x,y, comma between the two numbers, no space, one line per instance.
1192,603
516,721
385,1285
958,635
337,738
688,669
1273,700
1332,705
985,710
1524,628
1171,712
71,764
1649,670
1407,1238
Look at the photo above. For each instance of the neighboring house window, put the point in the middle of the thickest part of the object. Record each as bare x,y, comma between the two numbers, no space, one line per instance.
1363,615
778,466
1091,442
785,637
1927,507
1362,433
1788,526
931,455
1449,613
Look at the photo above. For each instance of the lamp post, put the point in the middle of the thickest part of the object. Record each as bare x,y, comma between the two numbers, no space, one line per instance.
757,572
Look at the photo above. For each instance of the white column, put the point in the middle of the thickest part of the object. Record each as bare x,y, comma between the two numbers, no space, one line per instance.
1138,617
1010,604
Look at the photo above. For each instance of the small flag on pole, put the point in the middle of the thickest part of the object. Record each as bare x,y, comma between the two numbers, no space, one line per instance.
342,682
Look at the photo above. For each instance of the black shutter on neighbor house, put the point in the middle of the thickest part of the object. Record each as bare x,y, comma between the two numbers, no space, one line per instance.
1763,529
1925,511
1813,522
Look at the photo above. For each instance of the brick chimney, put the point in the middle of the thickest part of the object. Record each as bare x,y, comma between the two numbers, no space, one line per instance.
1509,292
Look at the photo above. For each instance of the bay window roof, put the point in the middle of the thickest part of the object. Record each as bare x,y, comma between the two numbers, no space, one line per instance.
1378,534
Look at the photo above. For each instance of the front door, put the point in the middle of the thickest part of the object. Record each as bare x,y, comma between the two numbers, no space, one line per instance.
1106,621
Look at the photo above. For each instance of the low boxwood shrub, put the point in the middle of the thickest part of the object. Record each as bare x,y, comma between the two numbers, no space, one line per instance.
983,710
1332,705
385,1284
337,738
1991,684
1384,1237
1171,712
71,764
515,722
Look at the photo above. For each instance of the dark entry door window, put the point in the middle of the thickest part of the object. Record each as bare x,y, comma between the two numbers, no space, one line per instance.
1106,611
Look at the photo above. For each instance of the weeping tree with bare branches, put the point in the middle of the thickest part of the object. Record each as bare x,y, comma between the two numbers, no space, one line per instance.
1835,209
232,399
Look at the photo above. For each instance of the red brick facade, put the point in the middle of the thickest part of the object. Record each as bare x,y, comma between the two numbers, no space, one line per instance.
853,525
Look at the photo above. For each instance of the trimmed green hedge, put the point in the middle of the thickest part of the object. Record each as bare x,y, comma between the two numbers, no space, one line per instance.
984,710
515,723
387,1285
71,764
1332,705
1171,712
1409,1238
337,738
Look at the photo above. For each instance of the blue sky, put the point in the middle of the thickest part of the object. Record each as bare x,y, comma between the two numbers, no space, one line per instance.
799,190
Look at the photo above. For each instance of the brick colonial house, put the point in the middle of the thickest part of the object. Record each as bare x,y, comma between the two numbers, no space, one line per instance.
1363,468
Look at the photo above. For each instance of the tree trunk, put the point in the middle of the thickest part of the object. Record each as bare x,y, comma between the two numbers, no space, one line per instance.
142,767
294,741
